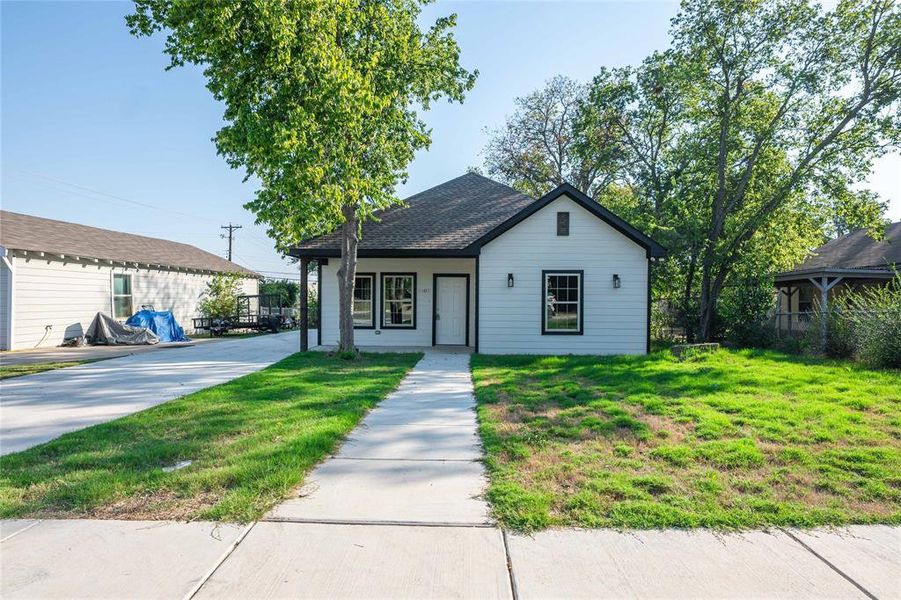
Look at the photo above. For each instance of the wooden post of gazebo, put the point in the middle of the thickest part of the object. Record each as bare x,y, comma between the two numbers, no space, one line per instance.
304,305
824,285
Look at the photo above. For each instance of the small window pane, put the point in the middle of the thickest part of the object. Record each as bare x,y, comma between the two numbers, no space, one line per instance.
122,306
121,284
362,305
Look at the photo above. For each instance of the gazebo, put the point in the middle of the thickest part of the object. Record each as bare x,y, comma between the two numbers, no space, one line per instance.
850,261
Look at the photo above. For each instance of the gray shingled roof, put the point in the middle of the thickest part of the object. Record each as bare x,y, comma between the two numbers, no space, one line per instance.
450,216
857,250
26,232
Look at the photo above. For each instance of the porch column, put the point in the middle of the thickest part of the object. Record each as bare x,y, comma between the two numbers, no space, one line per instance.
304,305
824,285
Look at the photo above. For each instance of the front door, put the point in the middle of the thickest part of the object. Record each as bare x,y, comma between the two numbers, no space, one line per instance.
450,309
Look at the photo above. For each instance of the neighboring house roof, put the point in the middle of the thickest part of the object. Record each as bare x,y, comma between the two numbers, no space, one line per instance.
37,234
456,218
854,252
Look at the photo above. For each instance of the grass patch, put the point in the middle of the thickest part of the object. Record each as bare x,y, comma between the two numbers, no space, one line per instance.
251,441
8,371
730,440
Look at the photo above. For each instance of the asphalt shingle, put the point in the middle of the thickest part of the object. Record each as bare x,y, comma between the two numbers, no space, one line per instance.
450,216
26,232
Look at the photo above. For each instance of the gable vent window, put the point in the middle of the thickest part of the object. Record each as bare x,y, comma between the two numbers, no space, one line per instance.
562,223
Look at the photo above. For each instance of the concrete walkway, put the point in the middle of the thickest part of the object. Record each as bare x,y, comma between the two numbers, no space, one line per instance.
397,513
38,408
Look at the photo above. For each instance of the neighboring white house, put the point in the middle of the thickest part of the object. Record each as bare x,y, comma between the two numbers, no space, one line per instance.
55,276
475,263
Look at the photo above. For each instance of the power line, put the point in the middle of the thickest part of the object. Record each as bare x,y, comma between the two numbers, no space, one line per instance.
113,196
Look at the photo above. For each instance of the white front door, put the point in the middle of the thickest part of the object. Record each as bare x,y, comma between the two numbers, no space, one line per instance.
450,310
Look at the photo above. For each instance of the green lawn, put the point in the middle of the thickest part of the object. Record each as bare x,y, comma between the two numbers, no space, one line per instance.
251,441
7,371
735,439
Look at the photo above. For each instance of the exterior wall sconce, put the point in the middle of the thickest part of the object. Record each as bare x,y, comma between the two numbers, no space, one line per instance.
509,279
616,280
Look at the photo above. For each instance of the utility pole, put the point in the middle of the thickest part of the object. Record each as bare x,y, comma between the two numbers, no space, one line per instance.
231,234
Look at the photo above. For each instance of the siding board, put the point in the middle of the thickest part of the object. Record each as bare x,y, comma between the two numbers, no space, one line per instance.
56,299
615,320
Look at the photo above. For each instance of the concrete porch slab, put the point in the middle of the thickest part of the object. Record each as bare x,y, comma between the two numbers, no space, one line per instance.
869,554
413,442
112,559
292,560
670,564
417,491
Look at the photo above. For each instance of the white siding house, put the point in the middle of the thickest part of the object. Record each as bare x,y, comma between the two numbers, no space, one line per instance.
475,263
56,276
614,319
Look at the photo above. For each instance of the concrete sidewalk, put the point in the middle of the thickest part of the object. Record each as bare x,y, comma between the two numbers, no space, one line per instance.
415,458
397,513
38,408
152,559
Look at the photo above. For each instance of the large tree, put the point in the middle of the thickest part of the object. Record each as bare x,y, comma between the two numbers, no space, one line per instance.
787,96
744,141
320,104
537,149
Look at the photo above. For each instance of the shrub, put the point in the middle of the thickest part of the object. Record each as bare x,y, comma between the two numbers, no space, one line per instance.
221,296
840,339
742,314
874,314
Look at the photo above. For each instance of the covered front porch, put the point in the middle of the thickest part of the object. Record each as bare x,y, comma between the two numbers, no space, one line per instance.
399,302
804,293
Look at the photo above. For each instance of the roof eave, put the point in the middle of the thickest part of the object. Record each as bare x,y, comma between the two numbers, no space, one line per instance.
30,253
314,253
801,274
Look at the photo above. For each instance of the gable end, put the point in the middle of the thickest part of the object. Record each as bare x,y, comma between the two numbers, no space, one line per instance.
654,250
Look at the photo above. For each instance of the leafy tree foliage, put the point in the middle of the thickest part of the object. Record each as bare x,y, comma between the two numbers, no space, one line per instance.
320,103
286,290
535,150
743,143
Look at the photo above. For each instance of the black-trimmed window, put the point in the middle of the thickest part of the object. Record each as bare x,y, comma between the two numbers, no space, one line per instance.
562,223
563,302
122,305
399,300
364,301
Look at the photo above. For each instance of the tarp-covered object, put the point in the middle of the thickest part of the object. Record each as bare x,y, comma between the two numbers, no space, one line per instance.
160,322
106,330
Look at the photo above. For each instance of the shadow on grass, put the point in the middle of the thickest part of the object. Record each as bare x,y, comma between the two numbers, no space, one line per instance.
250,441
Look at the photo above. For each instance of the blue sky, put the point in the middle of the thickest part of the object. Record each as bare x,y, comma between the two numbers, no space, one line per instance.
96,132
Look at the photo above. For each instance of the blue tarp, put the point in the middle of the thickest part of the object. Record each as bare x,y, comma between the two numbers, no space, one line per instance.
160,322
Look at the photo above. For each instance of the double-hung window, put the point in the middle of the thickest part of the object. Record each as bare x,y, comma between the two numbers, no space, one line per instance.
399,300
364,301
122,306
562,299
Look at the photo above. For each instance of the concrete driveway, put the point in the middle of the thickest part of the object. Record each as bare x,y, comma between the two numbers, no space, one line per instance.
38,408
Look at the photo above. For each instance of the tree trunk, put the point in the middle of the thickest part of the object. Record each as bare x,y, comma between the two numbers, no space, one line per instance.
707,305
346,273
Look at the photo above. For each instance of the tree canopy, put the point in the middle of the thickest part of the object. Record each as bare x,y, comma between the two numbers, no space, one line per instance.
321,100
742,143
